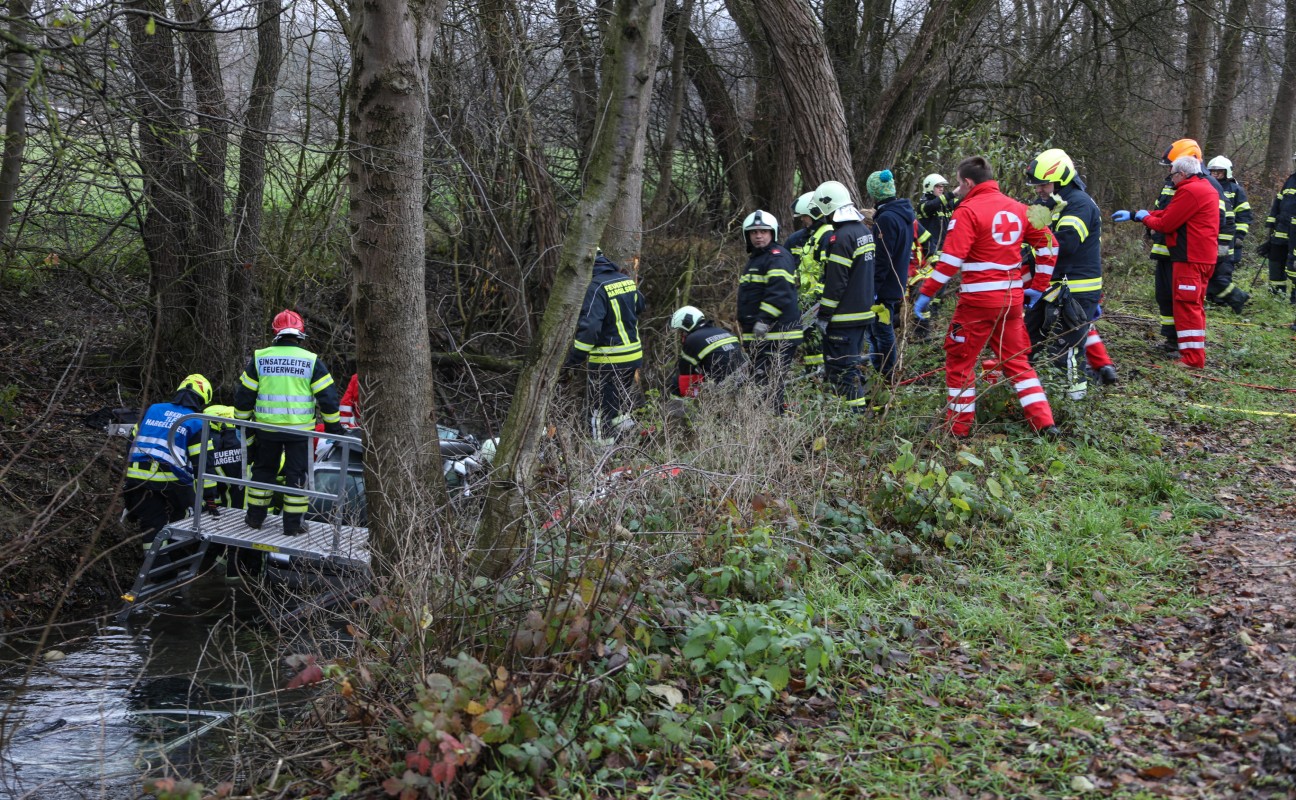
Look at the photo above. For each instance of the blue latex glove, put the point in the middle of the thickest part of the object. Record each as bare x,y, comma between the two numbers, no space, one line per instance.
1032,297
920,306
1120,216
1140,214
1097,311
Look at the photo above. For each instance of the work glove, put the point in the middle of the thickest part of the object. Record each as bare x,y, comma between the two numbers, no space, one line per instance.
920,306
760,330
1223,251
1140,214
882,312
1032,297
1121,216
210,507
822,325
1097,313
334,429
1265,248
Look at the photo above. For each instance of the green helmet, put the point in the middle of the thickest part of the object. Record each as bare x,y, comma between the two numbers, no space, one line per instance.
1051,166
932,181
829,197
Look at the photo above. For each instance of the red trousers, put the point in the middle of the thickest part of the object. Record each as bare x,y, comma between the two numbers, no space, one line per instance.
1002,328
1189,302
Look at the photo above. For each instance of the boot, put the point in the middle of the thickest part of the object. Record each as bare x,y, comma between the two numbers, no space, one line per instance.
1236,299
255,517
293,525
1107,375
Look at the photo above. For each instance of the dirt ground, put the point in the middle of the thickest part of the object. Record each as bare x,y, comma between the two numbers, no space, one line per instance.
1210,709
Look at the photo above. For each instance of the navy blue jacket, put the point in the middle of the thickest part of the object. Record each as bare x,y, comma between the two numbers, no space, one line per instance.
767,293
1078,227
893,227
608,331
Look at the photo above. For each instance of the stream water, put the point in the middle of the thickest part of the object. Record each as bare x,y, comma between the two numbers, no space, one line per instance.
128,699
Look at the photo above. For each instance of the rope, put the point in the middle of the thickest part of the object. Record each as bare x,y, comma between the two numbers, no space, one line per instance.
917,378
1244,410
1240,383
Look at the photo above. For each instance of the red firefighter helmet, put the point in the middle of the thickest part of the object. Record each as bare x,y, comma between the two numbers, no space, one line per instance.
288,323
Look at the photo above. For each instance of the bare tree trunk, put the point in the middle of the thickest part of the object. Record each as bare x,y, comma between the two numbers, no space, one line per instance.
582,78
208,254
1278,154
722,116
504,32
1197,63
252,169
18,70
1228,65
947,26
660,208
623,238
630,58
391,49
802,67
164,153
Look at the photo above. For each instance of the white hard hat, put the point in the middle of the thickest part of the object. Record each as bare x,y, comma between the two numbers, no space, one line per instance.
686,318
830,196
803,205
761,221
1220,162
933,180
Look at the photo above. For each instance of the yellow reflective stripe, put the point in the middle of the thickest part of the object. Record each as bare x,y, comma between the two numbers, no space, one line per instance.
754,278
1072,221
706,351
857,316
813,359
618,359
331,417
690,359
1280,234
839,259
826,303
583,347
1226,237
618,348
1160,250
248,382
926,234
867,248
780,273
1242,207
1244,227
152,473
783,336
620,324
773,311
1085,285
322,383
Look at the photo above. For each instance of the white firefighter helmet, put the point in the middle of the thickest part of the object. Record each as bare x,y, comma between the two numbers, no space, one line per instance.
829,197
686,318
761,221
802,206
1220,162
932,181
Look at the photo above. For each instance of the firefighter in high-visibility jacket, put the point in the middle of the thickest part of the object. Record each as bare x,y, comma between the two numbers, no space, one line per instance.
804,245
1222,290
984,243
226,458
846,307
282,385
767,306
708,352
160,480
1279,247
1164,264
607,336
1077,226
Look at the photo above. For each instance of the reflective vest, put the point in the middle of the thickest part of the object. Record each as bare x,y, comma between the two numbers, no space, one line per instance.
285,394
150,458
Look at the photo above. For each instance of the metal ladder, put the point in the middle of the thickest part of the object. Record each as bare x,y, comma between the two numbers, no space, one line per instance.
182,546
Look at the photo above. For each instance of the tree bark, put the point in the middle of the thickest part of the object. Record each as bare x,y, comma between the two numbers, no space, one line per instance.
164,153
1228,63
1278,153
582,77
252,169
391,46
18,71
208,253
817,115
1197,63
622,240
678,32
630,58
717,104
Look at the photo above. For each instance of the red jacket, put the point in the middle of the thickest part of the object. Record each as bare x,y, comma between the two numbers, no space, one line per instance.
984,241
350,406
1190,222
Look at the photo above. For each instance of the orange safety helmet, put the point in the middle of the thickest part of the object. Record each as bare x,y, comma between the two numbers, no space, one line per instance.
288,323
1182,147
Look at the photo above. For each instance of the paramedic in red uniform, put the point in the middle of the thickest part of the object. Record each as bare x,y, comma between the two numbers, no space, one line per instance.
984,241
